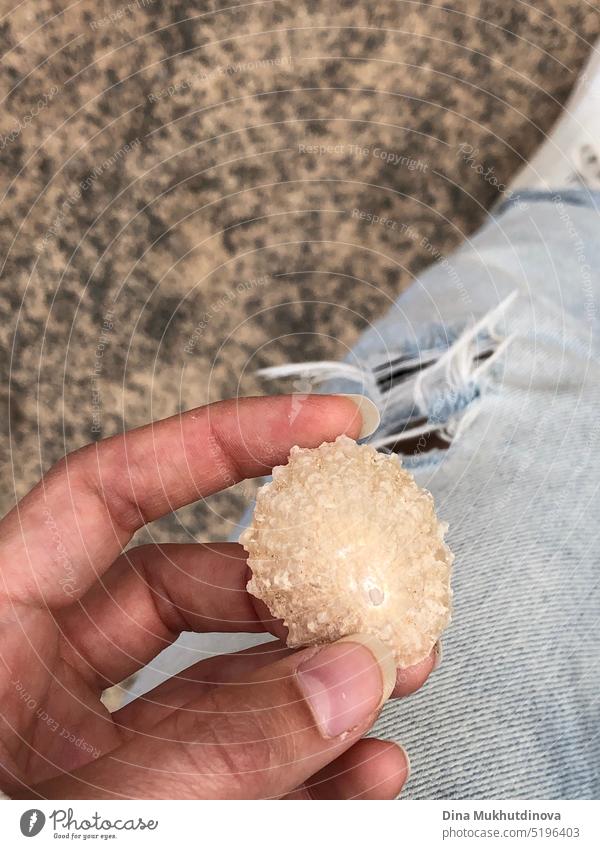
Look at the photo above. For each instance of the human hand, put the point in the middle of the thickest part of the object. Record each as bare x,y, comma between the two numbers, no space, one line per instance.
78,614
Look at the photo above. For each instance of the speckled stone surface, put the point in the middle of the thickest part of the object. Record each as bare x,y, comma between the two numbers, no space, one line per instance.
226,222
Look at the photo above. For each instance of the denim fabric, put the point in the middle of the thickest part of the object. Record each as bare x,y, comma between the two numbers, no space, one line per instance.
514,709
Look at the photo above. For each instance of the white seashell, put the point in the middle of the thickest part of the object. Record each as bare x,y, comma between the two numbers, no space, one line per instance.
344,541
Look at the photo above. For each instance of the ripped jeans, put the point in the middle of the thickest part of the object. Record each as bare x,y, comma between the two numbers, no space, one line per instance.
495,351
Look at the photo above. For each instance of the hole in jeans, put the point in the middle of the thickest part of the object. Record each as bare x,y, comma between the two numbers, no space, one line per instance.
412,446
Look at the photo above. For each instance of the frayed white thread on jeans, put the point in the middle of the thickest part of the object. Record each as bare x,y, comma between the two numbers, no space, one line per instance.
318,371
449,373
457,362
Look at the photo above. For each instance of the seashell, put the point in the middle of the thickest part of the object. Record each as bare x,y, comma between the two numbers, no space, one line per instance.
344,541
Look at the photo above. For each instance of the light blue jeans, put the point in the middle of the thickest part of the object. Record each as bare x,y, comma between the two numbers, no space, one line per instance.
514,709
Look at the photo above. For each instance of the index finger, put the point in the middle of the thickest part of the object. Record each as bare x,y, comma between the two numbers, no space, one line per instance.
76,521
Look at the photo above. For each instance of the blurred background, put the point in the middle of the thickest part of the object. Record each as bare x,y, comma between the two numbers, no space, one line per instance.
190,191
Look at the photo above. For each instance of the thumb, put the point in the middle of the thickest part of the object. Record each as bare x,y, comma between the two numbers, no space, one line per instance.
257,739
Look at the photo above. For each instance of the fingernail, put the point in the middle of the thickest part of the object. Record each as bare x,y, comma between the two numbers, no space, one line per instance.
407,759
345,683
369,413
438,653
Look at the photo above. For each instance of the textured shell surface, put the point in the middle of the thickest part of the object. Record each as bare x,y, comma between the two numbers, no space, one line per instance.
343,541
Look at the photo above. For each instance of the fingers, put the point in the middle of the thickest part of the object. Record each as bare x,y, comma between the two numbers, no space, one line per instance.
184,689
76,521
148,597
371,769
151,594
255,740
146,711
411,678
